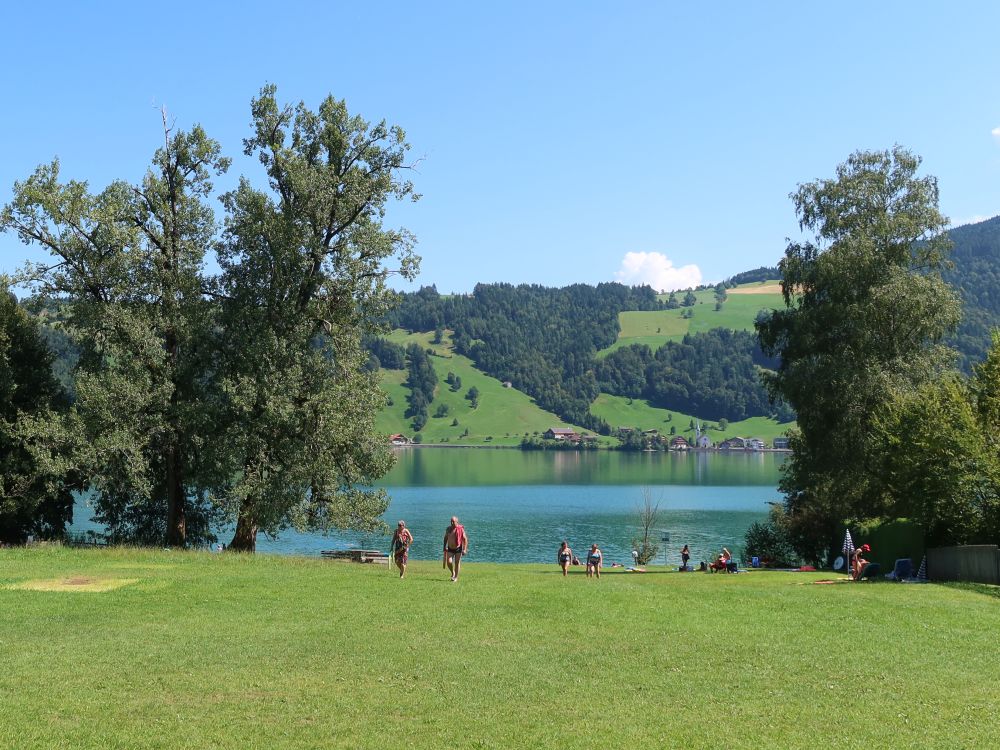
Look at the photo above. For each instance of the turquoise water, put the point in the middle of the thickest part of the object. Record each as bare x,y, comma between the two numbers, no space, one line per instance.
517,506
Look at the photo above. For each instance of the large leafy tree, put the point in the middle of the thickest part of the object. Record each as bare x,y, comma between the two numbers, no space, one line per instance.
243,395
130,261
304,278
865,310
940,454
937,467
35,490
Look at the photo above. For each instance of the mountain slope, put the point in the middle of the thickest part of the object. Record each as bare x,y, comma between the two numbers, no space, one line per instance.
976,274
502,416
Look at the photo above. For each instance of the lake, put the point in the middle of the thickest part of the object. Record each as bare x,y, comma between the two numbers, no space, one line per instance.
518,505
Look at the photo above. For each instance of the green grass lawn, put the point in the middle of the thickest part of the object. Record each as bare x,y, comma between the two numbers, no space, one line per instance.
204,651
618,412
503,414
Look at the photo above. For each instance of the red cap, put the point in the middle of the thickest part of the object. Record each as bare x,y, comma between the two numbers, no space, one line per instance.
866,548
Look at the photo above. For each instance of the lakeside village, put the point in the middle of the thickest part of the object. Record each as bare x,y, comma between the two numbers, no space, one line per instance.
632,438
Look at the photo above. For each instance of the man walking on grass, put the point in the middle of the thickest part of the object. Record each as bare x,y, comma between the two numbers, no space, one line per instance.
456,544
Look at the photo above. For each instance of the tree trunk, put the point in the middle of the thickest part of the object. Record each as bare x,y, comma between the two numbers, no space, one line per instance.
245,537
176,518
176,500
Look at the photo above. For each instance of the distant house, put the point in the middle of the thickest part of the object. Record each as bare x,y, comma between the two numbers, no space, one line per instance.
756,444
560,433
651,431
399,439
679,443
782,443
507,384
733,444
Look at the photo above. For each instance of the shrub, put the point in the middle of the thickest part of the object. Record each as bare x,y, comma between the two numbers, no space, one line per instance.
769,541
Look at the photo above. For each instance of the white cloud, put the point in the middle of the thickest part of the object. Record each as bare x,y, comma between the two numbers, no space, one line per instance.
996,132
657,270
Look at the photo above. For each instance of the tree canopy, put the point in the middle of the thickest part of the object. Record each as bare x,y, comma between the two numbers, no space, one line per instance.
35,489
242,395
865,313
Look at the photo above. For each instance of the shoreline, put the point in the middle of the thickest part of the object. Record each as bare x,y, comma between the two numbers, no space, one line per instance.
725,451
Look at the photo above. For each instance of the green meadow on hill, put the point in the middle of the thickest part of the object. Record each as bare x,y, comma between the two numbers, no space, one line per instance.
655,328
623,412
502,417
146,649
505,415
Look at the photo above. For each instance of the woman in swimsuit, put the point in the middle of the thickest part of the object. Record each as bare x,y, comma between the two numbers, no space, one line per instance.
401,541
685,556
858,563
594,560
564,556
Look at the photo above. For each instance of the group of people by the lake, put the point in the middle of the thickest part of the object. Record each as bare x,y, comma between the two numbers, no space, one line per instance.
595,559
456,545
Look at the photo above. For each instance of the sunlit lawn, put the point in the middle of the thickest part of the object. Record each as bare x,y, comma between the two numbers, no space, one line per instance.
202,651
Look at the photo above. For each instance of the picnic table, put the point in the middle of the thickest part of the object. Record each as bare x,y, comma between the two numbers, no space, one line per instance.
356,555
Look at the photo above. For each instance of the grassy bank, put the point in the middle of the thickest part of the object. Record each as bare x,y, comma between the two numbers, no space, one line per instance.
619,411
501,418
200,651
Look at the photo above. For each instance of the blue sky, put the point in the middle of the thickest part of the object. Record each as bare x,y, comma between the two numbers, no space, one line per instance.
560,142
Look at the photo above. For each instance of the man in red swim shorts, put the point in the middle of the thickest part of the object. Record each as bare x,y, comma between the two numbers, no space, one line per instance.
456,544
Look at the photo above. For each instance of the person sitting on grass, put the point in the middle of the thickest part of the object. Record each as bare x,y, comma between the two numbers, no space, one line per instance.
594,561
719,563
565,557
858,563
727,556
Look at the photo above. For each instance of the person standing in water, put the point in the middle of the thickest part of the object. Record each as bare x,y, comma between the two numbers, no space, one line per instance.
564,556
401,541
456,544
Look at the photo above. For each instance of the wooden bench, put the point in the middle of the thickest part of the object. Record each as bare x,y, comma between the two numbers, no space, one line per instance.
356,555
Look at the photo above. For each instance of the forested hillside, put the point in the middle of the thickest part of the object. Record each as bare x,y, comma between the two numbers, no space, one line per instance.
545,342
564,347
542,340
976,274
711,374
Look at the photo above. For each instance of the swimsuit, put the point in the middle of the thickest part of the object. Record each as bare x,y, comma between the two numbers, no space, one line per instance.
402,548
456,551
564,557
593,560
